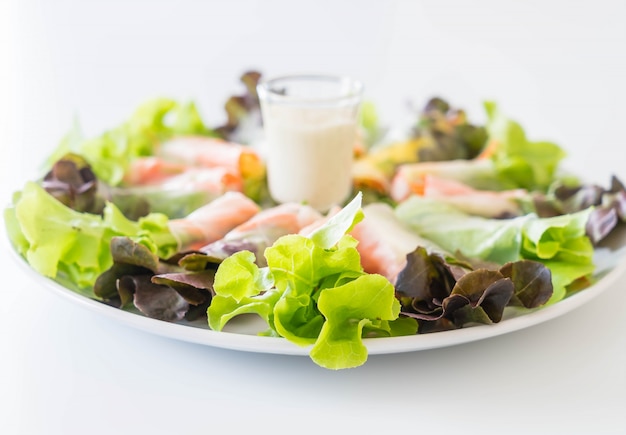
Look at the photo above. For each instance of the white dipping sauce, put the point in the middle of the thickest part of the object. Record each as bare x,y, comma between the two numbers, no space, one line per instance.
310,142
310,161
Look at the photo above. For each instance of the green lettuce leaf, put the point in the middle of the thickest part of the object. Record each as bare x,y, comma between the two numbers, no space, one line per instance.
519,161
372,129
348,308
561,243
241,287
56,240
313,292
241,276
341,223
298,266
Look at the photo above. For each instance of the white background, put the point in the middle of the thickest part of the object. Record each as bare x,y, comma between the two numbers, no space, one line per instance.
558,67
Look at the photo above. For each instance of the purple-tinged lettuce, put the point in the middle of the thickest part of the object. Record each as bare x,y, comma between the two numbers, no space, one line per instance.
157,288
609,205
243,112
442,295
56,240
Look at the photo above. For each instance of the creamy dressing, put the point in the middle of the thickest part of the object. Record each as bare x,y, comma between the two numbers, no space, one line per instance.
310,162
310,132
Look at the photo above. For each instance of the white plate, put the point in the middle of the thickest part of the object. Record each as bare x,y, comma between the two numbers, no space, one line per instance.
610,259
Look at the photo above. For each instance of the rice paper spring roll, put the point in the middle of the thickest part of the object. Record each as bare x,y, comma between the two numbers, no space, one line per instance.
262,230
384,241
210,152
410,178
242,161
486,203
151,171
213,221
175,196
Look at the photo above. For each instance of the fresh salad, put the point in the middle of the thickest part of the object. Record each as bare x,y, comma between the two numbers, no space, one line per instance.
448,227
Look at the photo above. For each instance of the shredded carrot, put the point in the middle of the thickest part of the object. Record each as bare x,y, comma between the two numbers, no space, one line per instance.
489,150
418,187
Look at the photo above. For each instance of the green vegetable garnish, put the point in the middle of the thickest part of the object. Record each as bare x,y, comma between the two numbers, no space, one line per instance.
57,240
312,292
519,161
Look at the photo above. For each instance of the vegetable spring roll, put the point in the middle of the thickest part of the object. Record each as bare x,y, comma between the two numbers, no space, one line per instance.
409,178
213,221
384,241
175,196
214,180
151,170
210,152
486,203
263,229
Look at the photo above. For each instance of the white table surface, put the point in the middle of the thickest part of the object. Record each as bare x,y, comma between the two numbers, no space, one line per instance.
558,67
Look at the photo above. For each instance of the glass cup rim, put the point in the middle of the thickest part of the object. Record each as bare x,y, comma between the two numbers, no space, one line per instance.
267,91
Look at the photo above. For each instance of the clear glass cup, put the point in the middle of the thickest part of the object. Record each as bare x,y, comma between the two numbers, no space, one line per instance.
310,124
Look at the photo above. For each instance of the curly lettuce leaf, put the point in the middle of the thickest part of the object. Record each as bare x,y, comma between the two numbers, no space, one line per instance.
313,292
224,308
519,161
369,299
562,244
239,277
298,265
55,239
